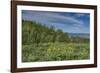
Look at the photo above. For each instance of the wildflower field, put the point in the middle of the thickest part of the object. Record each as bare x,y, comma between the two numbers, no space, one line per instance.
55,52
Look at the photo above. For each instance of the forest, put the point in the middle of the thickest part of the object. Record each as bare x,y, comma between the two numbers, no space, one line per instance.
43,43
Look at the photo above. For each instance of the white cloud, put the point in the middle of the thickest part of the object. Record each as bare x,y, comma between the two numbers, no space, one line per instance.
54,16
50,18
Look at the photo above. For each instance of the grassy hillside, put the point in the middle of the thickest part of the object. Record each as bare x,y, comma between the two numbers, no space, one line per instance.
43,43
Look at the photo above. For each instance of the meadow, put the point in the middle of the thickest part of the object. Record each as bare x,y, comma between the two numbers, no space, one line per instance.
41,43
55,52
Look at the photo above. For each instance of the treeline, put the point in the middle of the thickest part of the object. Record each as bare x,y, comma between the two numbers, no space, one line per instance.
33,32
78,39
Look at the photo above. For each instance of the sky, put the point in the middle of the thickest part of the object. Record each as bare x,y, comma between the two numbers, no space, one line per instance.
70,22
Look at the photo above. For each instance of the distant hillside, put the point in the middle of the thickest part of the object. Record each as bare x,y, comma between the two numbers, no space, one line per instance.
82,35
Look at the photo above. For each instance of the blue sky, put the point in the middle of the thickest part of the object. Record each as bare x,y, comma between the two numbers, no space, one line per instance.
66,21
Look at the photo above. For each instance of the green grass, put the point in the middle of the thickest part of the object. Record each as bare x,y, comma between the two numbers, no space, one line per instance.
55,52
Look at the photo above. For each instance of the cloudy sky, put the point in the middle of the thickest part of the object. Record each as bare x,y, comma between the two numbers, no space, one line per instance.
66,21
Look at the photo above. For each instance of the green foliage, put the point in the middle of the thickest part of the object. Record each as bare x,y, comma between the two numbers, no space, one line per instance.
42,43
33,32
